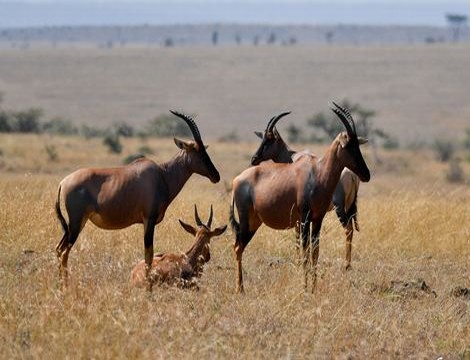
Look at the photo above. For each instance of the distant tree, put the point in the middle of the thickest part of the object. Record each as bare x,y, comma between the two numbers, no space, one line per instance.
28,121
168,42
326,129
166,126
123,129
444,149
294,134
5,122
329,36
215,37
238,39
271,38
456,22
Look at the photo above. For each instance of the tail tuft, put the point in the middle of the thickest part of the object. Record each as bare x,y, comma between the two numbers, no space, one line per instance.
233,223
59,213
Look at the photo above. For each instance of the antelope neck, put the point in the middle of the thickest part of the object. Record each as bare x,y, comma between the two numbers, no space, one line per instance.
176,173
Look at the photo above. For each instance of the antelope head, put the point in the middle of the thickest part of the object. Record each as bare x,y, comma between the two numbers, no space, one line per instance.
199,253
271,142
198,159
349,151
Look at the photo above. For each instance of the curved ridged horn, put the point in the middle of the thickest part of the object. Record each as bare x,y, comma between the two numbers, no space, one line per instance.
269,123
192,125
339,111
349,116
273,121
209,222
196,217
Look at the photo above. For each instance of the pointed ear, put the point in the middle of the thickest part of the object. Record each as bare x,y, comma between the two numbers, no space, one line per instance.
343,139
219,231
362,140
179,143
184,145
187,227
259,134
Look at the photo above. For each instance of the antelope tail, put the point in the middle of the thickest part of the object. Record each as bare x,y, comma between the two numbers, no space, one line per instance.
59,213
233,223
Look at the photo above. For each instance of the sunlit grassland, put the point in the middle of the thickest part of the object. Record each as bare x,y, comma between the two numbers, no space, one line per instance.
414,225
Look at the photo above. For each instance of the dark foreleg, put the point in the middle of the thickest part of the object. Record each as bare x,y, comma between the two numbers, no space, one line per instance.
349,231
305,232
149,229
315,251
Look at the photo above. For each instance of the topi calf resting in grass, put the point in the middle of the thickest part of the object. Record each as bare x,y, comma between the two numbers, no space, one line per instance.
180,269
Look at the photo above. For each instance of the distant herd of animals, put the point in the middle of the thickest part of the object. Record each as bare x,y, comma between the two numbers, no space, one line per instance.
293,190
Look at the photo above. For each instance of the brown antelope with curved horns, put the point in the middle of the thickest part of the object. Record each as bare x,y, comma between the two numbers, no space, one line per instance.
280,194
115,198
344,201
181,269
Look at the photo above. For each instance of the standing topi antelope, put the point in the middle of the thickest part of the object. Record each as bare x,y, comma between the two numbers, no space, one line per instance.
280,194
344,200
140,192
180,269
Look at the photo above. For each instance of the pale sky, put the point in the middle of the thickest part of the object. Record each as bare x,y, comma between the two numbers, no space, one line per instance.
24,13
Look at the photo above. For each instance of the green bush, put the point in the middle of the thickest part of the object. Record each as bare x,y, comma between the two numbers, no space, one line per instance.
167,126
294,134
124,130
5,122
113,143
324,127
59,126
27,121
444,149
89,132
390,143
132,157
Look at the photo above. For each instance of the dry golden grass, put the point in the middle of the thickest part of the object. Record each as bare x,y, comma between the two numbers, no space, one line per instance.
413,226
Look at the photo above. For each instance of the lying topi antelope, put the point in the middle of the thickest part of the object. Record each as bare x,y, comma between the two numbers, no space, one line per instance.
344,201
140,192
280,194
180,269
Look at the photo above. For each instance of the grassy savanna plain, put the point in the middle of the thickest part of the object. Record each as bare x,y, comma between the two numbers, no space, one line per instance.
419,91
414,228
